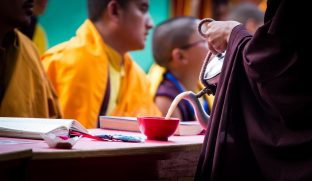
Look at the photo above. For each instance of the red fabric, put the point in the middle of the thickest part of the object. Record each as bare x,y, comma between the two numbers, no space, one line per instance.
260,127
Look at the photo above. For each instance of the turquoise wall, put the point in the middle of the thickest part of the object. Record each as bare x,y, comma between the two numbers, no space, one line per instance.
62,18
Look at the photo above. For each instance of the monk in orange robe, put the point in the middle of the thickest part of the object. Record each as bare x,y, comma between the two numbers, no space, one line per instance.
25,90
93,74
34,30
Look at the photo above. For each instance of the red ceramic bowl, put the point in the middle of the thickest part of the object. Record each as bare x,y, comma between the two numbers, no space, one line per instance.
157,128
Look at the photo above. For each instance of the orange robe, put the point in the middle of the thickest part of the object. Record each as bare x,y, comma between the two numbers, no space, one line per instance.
40,39
29,92
78,70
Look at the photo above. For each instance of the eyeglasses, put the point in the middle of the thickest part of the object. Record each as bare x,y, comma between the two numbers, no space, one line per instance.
192,44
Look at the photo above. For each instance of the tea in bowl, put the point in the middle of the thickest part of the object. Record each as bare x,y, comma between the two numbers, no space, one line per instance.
157,128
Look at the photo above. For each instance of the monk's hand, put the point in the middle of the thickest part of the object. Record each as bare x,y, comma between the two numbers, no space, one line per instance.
218,33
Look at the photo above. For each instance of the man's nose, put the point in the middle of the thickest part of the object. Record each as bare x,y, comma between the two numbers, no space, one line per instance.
150,22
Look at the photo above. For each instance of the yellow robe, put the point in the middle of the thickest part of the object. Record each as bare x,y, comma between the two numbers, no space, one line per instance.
40,39
29,92
78,70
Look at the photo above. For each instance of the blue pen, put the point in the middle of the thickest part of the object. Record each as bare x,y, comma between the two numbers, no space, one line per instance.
124,138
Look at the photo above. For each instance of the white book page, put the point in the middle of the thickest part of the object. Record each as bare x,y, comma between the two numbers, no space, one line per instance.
37,125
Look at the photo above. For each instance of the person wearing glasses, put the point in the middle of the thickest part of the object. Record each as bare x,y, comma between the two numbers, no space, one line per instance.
180,50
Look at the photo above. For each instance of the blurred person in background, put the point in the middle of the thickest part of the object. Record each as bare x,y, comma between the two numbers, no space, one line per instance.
25,90
261,4
249,15
180,50
93,73
34,30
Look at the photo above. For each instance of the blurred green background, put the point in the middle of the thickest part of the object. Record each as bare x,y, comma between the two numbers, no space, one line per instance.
62,18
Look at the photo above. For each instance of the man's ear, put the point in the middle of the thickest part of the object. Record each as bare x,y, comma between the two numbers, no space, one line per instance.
113,10
178,55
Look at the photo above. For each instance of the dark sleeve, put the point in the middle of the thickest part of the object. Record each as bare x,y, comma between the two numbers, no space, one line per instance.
262,110
274,47
277,64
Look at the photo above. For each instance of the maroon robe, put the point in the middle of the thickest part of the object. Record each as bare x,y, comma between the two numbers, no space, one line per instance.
261,122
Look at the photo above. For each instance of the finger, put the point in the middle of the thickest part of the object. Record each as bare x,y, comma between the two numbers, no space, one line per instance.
212,49
221,46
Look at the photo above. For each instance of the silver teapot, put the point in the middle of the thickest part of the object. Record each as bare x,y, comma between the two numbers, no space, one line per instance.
209,77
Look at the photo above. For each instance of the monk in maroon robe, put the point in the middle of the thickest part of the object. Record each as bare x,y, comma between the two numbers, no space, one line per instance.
261,123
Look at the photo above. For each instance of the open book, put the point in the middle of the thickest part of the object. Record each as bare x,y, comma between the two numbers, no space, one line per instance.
131,124
33,127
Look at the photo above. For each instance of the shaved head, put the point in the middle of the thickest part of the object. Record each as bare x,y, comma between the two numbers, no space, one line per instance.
171,34
97,7
245,11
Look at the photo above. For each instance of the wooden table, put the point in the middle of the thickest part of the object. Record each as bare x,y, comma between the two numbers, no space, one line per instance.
175,159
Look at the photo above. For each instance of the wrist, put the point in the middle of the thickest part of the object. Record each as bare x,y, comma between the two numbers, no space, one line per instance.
231,25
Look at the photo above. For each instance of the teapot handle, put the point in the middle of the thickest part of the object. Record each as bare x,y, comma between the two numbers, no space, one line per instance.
201,29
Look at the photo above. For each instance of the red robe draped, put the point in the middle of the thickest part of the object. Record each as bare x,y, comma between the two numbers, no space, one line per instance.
261,122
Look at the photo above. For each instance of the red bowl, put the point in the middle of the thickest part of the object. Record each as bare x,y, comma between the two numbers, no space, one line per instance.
157,128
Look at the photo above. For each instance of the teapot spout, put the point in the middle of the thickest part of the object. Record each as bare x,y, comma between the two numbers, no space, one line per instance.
200,114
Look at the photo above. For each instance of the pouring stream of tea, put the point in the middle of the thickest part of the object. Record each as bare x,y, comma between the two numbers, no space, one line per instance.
174,103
